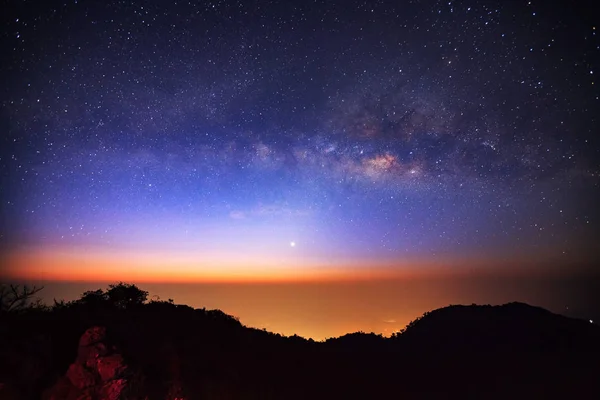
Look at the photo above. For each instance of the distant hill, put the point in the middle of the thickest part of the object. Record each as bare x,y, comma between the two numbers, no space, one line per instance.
512,325
115,344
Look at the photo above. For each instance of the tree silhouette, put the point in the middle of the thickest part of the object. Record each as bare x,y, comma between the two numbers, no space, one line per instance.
120,295
124,295
93,298
16,297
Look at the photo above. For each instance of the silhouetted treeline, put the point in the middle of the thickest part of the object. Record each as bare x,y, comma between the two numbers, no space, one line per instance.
175,351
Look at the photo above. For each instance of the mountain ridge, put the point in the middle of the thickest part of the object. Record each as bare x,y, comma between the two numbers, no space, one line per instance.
175,351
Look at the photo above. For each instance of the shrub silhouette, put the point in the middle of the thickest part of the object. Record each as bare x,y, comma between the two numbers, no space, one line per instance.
120,295
93,298
124,295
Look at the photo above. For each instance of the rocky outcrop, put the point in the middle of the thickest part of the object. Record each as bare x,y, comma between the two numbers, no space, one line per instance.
98,373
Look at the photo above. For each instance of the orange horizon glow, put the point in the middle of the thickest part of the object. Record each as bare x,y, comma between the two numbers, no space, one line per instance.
304,296
95,264
87,265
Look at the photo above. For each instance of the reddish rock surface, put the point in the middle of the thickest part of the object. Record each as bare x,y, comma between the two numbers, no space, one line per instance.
110,367
112,390
80,376
98,373
96,334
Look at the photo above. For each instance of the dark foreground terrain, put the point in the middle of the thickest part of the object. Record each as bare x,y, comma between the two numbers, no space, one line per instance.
115,344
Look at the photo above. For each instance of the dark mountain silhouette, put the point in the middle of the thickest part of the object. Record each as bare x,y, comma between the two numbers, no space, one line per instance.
517,325
115,344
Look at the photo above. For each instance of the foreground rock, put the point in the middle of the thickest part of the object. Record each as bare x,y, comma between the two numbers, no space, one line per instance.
98,373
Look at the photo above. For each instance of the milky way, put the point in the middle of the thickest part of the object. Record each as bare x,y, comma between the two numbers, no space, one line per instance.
356,130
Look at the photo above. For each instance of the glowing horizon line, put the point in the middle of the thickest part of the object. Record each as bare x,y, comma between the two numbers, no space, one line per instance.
93,265
82,264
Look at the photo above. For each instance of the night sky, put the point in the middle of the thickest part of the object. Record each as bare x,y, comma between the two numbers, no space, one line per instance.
263,140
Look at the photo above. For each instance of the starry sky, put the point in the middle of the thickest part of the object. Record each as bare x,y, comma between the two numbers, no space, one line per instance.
266,140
